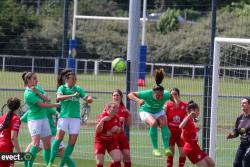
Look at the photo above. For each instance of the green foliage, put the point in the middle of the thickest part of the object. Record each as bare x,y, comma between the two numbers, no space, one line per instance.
168,21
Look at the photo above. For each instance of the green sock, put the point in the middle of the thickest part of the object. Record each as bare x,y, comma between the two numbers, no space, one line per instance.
153,133
33,151
46,155
66,156
25,163
165,134
54,150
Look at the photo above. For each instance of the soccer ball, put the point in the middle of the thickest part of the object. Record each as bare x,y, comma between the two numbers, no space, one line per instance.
119,64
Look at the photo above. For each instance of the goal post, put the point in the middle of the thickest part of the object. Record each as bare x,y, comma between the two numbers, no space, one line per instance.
237,65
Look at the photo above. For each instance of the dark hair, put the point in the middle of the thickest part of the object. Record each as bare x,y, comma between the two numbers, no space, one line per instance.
26,75
159,76
176,90
192,105
248,99
120,93
13,104
61,77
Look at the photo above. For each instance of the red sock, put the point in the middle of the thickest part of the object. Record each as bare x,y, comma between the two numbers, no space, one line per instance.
170,161
127,164
98,165
111,164
117,164
182,161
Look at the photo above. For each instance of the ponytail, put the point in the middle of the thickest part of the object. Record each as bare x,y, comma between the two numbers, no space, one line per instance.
13,104
159,76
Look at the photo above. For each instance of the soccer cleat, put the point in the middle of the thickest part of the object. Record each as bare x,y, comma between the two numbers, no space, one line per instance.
168,152
156,153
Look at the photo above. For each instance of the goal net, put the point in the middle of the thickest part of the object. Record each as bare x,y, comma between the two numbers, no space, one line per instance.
230,83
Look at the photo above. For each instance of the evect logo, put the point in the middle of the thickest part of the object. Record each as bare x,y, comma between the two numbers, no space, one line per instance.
15,156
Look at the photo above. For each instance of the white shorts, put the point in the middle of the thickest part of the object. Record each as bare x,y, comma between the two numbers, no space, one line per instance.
144,115
70,125
52,139
39,127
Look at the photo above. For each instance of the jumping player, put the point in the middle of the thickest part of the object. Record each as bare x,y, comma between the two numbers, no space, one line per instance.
9,128
151,111
175,111
189,135
108,124
125,120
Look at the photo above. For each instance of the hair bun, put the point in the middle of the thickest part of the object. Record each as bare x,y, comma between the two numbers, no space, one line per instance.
191,102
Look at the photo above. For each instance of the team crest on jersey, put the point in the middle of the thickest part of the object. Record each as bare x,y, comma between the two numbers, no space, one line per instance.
176,119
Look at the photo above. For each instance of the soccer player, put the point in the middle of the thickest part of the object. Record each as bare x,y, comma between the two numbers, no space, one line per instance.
151,111
107,125
125,120
50,113
189,135
69,95
38,123
9,128
242,128
175,111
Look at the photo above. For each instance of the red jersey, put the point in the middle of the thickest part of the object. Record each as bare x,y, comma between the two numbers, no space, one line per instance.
175,115
189,132
122,113
107,126
5,135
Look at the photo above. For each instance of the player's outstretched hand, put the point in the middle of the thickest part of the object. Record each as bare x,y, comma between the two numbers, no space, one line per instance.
231,135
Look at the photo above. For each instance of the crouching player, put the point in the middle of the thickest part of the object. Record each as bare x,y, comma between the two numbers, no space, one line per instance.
189,134
107,125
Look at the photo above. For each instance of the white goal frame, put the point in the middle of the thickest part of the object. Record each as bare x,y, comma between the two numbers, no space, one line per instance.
215,83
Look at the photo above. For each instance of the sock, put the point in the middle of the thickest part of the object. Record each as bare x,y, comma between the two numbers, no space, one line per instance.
170,161
54,150
25,163
46,155
182,161
117,164
165,134
153,133
111,164
98,165
127,164
33,151
66,156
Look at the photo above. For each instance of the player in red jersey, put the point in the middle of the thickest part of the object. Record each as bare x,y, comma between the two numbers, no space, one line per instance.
125,120
189,134
175,111
9,128
107,125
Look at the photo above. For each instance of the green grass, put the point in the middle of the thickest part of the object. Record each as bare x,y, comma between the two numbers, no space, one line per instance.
228,109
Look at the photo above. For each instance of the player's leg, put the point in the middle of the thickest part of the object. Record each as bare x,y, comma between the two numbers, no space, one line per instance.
74,129
246,160
99,160
182,156
116,156
210,161
165,133
46,140
239,156
126,157
153,132
169,160
35,128
62,127
202,163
